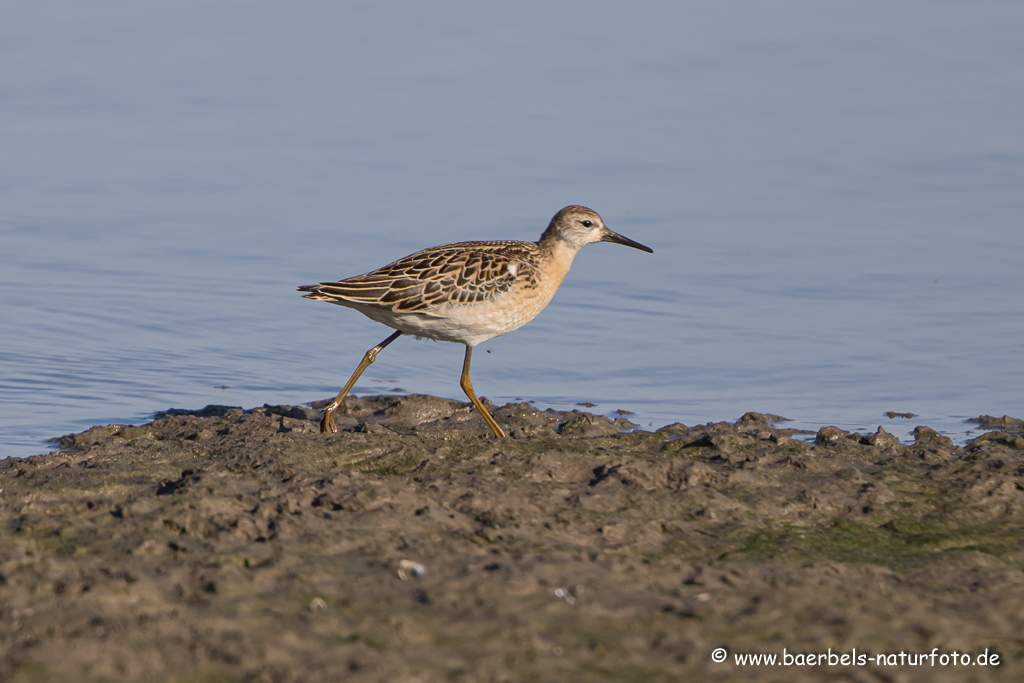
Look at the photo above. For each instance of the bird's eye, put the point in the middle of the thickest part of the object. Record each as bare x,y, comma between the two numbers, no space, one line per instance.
587,223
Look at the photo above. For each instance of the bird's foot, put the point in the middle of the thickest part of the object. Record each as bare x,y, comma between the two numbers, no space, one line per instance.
327,423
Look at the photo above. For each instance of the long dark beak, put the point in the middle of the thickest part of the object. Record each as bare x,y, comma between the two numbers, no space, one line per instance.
619,239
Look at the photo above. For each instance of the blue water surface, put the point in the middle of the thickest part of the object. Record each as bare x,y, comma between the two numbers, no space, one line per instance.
833,193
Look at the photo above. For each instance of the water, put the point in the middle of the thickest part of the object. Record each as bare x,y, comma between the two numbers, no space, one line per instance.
833,194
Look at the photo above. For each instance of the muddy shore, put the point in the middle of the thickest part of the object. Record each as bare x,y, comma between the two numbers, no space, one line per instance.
242,545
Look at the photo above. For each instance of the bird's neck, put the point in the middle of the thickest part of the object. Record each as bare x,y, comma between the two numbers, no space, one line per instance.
556,255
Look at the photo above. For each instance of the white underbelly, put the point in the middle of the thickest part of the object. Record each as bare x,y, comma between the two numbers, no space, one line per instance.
469,324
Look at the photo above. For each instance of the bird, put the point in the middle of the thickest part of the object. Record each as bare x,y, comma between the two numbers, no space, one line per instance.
465,292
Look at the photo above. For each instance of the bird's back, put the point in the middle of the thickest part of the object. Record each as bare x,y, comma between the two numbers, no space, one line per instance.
431,279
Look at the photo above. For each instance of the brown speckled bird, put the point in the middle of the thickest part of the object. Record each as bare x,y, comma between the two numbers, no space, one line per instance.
466,292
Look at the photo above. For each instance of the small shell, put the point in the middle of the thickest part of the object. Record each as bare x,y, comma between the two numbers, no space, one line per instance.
408,568
565,595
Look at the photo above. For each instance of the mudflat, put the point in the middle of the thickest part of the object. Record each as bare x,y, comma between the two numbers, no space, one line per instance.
243,545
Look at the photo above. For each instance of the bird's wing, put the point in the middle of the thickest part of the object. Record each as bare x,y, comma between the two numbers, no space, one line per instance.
460,273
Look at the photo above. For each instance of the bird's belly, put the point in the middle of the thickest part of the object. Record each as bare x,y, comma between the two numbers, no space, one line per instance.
468,324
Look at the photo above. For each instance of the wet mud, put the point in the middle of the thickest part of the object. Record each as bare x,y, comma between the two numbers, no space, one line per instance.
243,545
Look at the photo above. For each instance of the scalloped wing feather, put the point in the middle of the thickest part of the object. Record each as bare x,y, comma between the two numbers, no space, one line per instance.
460,273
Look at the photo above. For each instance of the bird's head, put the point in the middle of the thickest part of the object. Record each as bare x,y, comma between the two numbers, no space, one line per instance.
579,226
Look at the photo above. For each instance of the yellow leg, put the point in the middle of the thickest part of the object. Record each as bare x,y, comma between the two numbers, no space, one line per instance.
467,386
327,423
